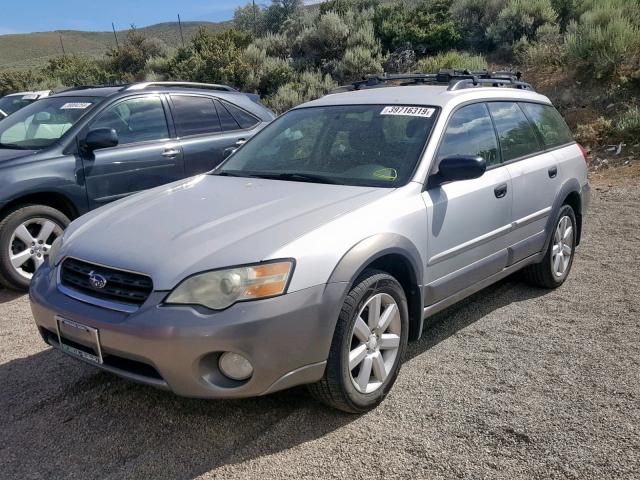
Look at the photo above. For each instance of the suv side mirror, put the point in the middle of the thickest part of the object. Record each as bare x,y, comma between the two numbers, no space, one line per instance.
101,138
461,167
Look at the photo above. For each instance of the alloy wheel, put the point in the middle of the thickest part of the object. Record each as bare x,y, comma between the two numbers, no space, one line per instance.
562,247
30,244
375,342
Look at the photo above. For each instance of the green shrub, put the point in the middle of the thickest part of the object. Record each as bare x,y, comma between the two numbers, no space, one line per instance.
309,86
75,70
129,61
357,62
274,44
520,18
628,125
474,17
12,81
547,52
452,60
602,42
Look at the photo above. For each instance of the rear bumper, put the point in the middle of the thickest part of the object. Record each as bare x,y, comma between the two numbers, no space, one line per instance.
287,338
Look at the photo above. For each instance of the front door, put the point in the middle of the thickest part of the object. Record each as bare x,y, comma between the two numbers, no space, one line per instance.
468,220
145,156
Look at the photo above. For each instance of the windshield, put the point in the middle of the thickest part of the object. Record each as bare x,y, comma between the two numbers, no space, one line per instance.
368,145
42,123
13,103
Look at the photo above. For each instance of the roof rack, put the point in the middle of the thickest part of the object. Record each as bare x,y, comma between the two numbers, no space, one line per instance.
455,79
86,87
206,86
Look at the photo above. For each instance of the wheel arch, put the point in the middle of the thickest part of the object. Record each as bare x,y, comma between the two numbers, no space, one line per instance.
569,194
48,198
395,255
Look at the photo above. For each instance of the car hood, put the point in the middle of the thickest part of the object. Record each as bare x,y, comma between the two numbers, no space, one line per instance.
205,223
13,154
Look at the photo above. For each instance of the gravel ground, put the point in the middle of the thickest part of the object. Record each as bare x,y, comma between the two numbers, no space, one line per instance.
514,382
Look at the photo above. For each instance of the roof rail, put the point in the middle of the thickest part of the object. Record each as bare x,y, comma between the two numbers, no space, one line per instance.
205,86
86,87
455,79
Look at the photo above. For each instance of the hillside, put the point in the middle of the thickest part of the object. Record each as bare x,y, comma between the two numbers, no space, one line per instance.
22,51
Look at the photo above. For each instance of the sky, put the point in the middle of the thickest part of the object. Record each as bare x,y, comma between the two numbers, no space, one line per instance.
24,16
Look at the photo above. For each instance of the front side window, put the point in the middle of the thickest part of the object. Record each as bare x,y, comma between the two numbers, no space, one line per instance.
517,137
139,119
194,115
369,145
552,127
470,132
44,122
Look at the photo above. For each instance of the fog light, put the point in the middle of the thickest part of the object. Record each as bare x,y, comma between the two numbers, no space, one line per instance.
235,366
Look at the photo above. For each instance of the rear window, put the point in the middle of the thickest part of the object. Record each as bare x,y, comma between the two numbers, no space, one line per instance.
517,137
552,127
194,115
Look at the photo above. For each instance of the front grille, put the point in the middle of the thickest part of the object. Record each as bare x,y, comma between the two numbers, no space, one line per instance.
121,287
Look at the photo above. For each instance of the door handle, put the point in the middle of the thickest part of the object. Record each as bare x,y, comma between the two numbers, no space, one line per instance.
170,152
240,142
500,191
553,171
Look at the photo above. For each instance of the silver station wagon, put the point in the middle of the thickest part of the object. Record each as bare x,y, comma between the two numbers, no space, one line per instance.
318,249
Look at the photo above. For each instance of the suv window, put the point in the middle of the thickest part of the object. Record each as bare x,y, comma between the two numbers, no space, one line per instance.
470,132
517,137
194,115
244,119
139,119
552,127
227,122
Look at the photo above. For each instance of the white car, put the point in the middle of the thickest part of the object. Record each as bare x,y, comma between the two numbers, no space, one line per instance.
15,101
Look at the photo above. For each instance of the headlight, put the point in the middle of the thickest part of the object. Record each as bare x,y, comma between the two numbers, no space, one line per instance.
222,288
54,251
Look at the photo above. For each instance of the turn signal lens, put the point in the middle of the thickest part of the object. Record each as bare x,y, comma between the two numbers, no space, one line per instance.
585,154
222,288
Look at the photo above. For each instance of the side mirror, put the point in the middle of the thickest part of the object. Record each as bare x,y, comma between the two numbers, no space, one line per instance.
461,167
101,138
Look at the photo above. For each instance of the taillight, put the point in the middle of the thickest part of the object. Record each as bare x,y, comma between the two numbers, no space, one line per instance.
584,154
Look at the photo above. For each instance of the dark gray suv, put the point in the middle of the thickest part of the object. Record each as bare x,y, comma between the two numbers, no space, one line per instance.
83,148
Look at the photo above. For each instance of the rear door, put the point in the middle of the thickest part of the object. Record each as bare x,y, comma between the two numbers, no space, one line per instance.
534,173
145,157
468,220
207,128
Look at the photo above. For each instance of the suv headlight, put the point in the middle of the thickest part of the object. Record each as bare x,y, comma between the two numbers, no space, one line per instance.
220,289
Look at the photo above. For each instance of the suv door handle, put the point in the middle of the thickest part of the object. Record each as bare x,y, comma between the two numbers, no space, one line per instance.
240,142
553,171
500,191
170,152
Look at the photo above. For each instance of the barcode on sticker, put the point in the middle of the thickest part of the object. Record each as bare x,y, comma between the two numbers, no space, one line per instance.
78,105
408,111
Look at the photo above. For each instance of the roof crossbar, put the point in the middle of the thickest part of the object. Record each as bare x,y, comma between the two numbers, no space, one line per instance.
455,79
205,86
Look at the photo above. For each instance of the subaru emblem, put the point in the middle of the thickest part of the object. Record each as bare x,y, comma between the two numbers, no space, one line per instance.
97,281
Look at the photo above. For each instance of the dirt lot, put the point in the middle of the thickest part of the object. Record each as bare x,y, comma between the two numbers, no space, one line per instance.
515,382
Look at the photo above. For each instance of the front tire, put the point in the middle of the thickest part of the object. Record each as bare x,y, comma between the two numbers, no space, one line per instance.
368,345
26,236
554,268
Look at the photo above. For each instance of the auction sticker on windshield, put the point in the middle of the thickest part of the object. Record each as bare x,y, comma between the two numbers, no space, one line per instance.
77,105
408,111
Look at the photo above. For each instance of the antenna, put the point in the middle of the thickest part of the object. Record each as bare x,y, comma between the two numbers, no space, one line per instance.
180,25
113,27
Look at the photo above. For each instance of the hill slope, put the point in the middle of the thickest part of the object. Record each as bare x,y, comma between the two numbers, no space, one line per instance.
34,49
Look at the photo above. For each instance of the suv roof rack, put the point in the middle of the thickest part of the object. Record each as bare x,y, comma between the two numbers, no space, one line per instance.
455,79
85,87
206,86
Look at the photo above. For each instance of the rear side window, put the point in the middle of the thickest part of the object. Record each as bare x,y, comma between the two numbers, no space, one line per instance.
227,122
244,119
517,137
552,127
194,115
470,132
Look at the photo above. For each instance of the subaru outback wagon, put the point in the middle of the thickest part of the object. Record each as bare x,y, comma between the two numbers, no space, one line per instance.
78,150
316,251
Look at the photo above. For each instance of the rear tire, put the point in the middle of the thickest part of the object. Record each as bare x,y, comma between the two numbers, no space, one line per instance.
554,268
364,362
26,235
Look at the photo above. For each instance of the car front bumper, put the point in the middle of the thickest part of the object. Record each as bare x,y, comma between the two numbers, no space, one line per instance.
286,338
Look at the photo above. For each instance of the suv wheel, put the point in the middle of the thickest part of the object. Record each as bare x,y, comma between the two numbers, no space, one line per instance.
368,344
555,267
26,236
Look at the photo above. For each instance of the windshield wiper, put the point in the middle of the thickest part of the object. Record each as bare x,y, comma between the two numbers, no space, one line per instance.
298,177
12,146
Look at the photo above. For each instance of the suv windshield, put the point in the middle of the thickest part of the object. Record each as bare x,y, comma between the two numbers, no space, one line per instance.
368,145
42,123
12,104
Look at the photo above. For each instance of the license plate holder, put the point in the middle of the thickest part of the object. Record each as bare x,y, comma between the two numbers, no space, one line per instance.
79,340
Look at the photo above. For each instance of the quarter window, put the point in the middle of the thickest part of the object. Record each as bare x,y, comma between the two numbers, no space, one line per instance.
244,119
135,120
194,115
227,122
517,137
550,124
470,132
